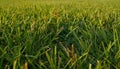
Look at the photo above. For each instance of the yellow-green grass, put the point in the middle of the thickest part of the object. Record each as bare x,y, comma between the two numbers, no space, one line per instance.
76,34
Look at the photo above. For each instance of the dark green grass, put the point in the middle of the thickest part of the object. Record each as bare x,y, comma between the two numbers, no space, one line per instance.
60,35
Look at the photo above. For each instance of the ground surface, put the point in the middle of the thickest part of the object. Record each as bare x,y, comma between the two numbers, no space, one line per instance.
59,34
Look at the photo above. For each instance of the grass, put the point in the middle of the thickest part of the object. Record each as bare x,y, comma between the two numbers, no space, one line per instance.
79,34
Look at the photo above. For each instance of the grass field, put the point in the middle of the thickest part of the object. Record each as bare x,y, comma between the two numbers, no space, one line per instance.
59,34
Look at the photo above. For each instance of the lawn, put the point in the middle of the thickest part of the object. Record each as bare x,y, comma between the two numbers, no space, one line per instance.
58,34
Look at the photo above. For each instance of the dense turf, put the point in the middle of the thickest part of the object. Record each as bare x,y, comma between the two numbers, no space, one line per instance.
62,34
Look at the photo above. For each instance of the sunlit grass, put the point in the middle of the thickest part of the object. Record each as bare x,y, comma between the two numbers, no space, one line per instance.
37,34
